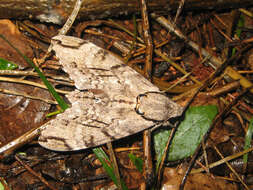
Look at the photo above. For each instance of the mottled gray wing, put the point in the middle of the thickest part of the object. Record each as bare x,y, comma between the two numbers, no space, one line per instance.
106,111
92,67
92,120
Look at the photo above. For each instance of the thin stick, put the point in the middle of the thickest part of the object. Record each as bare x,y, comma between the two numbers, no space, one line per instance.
148,165
32,73
147,39
222,161
71,18
115,165
8,148
5,91
179,10
21,81
34,173
231,168
65,27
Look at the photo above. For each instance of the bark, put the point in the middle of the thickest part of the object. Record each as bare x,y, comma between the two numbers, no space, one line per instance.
57,11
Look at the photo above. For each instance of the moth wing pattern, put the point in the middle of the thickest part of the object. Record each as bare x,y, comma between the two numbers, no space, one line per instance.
91,122
105,111
92,67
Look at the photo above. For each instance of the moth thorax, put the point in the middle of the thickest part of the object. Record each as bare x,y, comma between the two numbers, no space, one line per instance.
156,106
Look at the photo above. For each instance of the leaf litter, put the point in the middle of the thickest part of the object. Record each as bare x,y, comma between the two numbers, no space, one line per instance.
166,75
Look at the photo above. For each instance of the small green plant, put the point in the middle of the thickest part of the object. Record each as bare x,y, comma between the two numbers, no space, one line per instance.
248,138
138,162
51,89
1,184
238,30
107,165
7,65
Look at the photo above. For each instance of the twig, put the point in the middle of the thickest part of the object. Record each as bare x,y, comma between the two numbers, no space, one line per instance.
5,91
32,73
53,78
179,10
224,89
21,81
177,82
18,73
115,165
231,168
147,39
148,164
222,161
99,33
18,142
34,173
246,12
71,18
205,156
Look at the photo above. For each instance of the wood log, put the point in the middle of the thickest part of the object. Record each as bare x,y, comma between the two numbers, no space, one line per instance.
56,11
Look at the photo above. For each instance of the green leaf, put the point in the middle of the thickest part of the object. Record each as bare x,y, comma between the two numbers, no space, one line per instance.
103,158
138,162
7,65
107,165
248,138
189,133
1,184
51,89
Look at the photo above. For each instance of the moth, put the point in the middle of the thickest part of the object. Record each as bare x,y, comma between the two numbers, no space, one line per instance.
111,100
